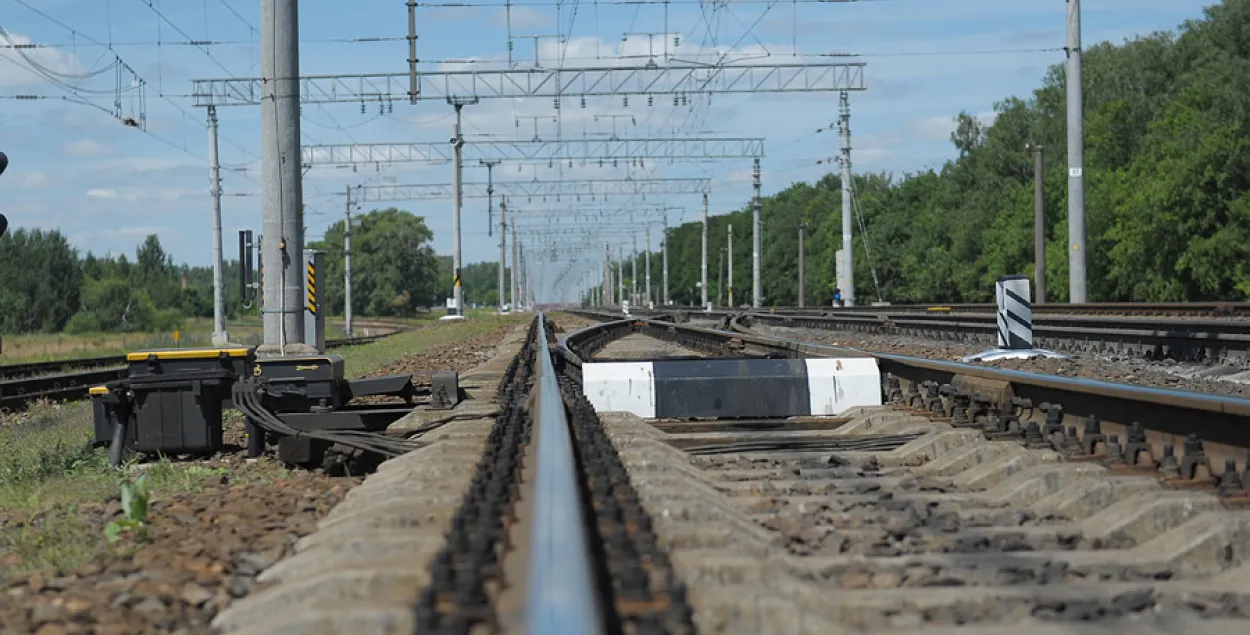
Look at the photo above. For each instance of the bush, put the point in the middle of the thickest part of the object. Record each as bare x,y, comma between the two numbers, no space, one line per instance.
83,322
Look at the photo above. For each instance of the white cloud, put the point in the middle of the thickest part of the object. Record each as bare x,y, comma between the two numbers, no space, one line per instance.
86,148
23,63
523,17
32,180
102,194
135,232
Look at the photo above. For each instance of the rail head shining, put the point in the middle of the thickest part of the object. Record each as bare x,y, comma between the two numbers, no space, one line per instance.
561,591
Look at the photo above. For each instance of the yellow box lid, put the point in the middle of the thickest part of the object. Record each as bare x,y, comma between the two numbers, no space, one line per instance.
98,390
188,353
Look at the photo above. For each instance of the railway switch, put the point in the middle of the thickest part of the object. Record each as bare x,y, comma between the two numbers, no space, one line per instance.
171,402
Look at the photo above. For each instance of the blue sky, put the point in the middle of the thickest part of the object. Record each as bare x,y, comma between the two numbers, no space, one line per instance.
76,168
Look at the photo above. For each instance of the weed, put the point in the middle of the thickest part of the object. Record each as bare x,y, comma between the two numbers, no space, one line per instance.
134,521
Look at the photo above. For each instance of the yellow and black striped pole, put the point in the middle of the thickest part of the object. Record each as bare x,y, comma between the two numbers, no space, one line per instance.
314,319
312,288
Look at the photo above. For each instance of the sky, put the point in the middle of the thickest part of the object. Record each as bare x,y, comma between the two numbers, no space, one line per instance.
76,167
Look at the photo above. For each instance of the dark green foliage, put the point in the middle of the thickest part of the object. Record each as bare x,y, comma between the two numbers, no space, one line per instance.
44,286
1167,177
40,281
394,269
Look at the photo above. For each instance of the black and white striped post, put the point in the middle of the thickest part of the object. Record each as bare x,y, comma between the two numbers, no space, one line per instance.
1014,322
1015,312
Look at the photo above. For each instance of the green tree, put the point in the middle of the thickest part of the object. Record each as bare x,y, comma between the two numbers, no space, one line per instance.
391,257
40,281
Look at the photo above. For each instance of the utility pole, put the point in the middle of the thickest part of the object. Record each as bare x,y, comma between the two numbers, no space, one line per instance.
457,198
1076,159
490,192
503,250
525,282
848,259
347,265
516,261
633,270
647,262
620,277
703,259
608,287
664,250
283,203
214,187
802,270
414,90
720,276
757,240
731,266
1039,223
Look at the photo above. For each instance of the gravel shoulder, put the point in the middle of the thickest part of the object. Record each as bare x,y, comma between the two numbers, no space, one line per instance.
213,524
1121,369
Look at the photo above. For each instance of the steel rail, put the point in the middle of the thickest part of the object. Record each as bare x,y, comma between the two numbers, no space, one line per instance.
1160,309
1206,340
560,594
1170,415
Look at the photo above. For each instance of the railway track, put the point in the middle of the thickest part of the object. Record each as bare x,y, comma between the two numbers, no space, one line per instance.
22,384
1111,309
963,506
1191,339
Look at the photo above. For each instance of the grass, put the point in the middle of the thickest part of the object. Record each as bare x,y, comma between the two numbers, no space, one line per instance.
42,347
53,484
50,476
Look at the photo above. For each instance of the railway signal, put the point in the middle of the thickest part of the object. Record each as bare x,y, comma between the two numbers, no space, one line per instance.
4,163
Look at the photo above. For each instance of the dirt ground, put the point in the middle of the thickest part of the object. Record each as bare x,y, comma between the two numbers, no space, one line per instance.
213,525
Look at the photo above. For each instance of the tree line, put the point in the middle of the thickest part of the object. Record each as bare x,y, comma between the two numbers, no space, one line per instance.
1167,168
46,285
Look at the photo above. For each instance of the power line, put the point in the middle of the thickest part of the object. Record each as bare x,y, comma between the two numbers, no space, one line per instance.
122,63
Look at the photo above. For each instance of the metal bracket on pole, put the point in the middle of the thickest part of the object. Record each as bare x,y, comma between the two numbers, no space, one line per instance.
314,318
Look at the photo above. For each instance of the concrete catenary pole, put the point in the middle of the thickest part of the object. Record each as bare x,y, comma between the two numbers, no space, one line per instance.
1076,159
703,259
1039,223
847,283
664,251
347,265
525,279
457,145
503,250
633,271
647,261
214,187
720,276
413,88
608,288
757,240
516,293
802,269
731,266
283,205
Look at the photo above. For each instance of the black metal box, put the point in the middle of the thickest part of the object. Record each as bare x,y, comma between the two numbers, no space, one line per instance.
300,384
179,395
179,416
